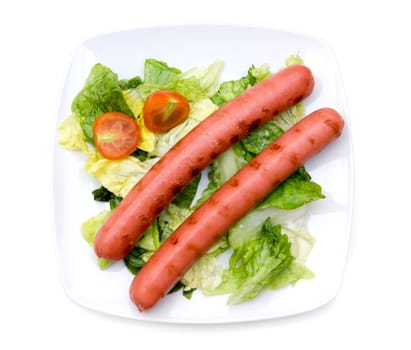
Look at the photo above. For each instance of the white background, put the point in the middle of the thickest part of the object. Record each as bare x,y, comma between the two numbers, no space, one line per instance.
371,42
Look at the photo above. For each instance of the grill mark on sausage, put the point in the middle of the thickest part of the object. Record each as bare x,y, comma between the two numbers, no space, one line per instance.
276,182
234,139
266,110
243,125
176,189
274,147
212,201
173,239
195,172
311,140
254,125
192,220
298,99
255,164
293,159
333,125
213,155
194,249
234,182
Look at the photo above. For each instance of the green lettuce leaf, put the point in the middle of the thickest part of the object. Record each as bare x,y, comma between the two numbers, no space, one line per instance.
136,259
296,191
158,73
293,223
186,196
200,82
290,276
194,84
255,142
230,89
102,194
293,59
254,265
170,218
89,230
102,93
132,83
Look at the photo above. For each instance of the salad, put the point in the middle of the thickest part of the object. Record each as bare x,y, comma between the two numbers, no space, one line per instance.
267,249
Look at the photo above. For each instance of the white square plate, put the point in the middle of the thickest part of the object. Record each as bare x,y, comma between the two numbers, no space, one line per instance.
185,47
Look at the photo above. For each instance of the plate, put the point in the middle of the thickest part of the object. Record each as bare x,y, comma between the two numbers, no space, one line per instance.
186,47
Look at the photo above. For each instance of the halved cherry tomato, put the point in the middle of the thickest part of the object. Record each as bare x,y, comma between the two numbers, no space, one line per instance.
116,135
164,110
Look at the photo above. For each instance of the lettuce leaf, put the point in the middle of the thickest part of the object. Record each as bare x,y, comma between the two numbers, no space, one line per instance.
136,259
199,110
255,142
290,276
89,230
293,59
205,275
195,84
293,223
71,135
159,73
200,82
135,102
170,218
296,191
230,89
186,196
101,93
255,265
118,176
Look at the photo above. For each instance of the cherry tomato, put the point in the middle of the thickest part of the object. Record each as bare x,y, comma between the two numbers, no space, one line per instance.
116,135
164,110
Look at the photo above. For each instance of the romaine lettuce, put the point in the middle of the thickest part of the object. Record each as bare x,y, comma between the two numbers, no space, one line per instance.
89,230
255,265
230,89
205,275
118,176
101,93
293,223
136,103
200,82
296,191
170,218
185,198
158,73
71,135
199,110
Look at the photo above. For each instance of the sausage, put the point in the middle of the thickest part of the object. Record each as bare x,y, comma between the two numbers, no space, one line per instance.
231,202
195,152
